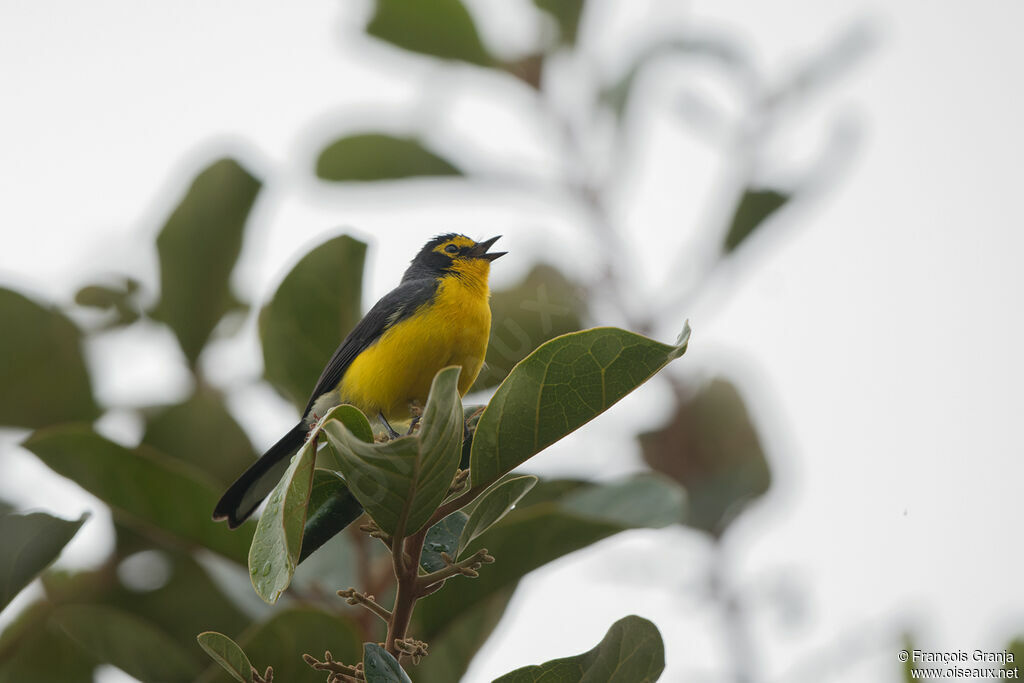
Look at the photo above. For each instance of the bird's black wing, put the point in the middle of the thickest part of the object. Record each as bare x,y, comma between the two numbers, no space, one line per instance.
395,306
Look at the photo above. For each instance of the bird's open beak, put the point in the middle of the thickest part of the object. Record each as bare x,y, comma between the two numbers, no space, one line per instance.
480,250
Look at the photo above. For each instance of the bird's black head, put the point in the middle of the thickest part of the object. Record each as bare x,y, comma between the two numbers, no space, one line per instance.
453,254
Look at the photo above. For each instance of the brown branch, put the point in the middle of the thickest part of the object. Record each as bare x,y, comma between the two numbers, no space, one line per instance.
338,672
467,567
354,597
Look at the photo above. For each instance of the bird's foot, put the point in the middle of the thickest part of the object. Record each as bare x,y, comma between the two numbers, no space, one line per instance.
387,426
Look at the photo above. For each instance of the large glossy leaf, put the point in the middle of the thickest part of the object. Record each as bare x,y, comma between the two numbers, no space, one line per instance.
544,305
531,536
631,652
567,14
315,306
45,378
30,543
401,482
227,654
380,667
281,641
332,507
558,388
754,208
375,156
441,28
147,490
453,645
202,432
198,247
711,447
278,540
494,504
130,643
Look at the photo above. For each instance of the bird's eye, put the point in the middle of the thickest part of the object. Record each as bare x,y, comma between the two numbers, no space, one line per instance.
451,249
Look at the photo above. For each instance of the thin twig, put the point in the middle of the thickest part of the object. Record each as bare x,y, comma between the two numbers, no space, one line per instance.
354,597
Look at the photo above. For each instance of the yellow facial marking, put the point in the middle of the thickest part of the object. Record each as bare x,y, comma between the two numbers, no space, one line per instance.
459,241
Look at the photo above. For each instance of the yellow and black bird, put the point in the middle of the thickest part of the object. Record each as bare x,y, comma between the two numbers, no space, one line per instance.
438,316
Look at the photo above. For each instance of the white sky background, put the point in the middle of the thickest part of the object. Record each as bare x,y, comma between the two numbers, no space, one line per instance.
876,338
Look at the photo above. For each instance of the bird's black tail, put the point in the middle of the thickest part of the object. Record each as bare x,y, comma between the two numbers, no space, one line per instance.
258,481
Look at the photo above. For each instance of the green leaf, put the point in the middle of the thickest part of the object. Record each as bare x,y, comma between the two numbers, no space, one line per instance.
544,305
145,489
567,14
226,652
131,644
401,482
643,500
119,298
631,652
453,645
203,433
315,306
31,542
754,208
711,447
45,378
375,156
332,507
443,537
441,28
494,504
280,642
278,540
380,667
531,536
557,389
33,649
198,247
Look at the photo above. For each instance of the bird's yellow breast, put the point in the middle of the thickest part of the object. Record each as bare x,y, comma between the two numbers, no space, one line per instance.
399,367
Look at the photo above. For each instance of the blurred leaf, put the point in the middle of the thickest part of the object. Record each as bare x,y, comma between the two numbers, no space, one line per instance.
529,537
145,489
543,306
712,48
45,378
443,537
453,646
380,667
401,482
280,642
202,432
567,14
754,208
227,653
198,247
631,652
131,644
375,156
712,449
278,540
315,306
557,389
121,299
441,28
1015,648
494,504
30,543
35,650
643,500
332,507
